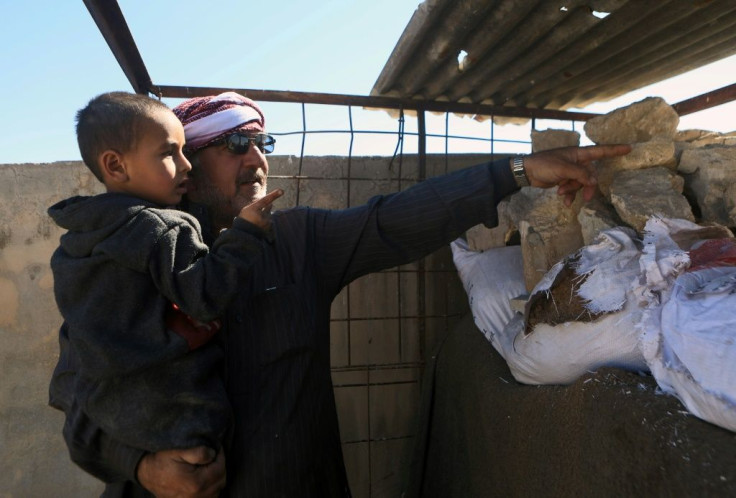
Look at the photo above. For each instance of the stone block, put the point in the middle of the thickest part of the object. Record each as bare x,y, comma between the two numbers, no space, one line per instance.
641,121
554,139
638,195
710,177
643,155
596,216
702,138
549,230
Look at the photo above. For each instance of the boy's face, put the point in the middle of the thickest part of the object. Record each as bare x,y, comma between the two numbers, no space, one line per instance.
156,167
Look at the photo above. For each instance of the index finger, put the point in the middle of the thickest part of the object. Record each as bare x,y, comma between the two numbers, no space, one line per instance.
268,199
596,152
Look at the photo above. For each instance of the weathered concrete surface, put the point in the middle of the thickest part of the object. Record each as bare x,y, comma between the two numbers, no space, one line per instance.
642,121
32,454
638,195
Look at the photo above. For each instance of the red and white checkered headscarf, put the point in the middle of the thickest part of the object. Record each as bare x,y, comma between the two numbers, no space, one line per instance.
207,119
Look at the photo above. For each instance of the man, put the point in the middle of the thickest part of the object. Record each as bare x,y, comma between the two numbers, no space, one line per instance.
285,440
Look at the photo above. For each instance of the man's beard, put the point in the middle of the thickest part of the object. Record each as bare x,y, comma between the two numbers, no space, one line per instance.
223,209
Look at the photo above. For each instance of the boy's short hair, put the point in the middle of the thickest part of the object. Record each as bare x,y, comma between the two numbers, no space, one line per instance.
112,121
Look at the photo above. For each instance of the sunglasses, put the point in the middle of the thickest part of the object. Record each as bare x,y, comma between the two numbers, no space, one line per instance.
239,143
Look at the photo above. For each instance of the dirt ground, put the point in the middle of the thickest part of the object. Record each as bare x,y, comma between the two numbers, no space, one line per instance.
612,433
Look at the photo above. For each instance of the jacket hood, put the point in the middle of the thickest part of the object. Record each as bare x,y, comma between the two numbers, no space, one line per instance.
90,220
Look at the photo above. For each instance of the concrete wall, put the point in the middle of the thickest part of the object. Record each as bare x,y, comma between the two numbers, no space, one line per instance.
383,324
32,452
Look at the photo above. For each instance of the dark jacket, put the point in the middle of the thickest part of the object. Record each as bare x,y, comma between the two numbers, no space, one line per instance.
117,271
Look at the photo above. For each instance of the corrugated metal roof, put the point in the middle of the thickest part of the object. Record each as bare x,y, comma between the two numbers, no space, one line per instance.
552,54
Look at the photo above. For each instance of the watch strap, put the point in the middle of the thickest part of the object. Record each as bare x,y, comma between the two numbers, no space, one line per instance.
519,171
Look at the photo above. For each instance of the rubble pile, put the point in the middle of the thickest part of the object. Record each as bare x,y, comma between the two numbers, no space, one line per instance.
642,278
688,175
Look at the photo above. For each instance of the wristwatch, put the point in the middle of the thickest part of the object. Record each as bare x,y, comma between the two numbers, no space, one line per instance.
517,168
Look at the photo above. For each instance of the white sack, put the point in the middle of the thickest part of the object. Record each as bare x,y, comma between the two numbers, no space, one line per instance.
689,333
562,353
491,279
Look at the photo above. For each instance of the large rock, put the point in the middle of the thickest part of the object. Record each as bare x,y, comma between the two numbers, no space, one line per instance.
701,138
549,230
642,121
643,155
554,139
710,177
595,216
693,139
638,195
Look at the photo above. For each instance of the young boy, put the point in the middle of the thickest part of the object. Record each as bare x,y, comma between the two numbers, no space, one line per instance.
131,272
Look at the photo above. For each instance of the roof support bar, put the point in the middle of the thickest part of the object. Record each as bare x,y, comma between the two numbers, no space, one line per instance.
109,19
706,100
185,92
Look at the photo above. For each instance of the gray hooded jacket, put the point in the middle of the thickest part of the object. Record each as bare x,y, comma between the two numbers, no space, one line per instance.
117,271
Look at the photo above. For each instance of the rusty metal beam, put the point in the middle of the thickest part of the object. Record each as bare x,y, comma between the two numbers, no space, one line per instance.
185,92
111,23
706,100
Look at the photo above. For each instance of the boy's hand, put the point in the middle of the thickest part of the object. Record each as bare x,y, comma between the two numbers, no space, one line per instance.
195,472
259,212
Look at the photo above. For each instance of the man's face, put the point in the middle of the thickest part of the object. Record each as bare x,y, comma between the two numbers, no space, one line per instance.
226,182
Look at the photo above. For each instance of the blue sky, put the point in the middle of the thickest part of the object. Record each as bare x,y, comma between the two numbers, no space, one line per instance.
54,60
